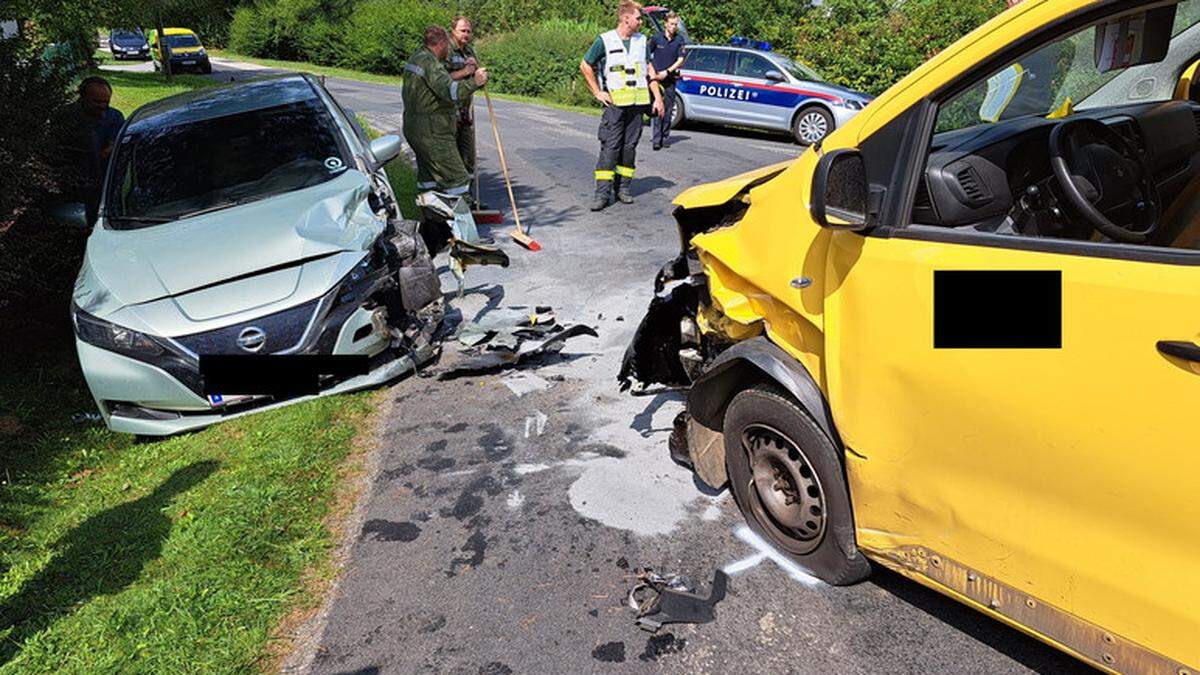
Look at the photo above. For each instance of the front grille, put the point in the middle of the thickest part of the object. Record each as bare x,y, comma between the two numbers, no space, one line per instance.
283,330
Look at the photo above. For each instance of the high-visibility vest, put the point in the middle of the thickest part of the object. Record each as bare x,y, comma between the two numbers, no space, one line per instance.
625,70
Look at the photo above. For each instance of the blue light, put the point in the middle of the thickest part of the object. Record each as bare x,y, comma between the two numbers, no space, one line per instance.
739,41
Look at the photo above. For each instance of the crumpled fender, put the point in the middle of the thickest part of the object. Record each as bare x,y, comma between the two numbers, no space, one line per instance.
715,194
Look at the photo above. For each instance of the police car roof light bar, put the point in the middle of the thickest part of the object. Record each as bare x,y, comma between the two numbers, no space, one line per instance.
739,41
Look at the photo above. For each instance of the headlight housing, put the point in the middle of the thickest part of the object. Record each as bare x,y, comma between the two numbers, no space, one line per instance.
849,104
127,342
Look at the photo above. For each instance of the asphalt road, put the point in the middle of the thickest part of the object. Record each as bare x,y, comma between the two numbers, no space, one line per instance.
501,531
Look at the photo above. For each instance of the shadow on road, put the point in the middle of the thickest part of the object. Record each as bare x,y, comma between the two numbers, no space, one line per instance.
1016,645
101,556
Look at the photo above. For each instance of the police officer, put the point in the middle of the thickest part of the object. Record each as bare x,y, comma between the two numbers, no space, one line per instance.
462,64
431,103
622,59
666,56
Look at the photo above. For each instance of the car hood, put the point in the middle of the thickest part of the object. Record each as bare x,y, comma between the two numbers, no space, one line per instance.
278,234
846,92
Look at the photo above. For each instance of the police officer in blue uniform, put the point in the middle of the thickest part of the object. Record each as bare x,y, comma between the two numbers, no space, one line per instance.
666,56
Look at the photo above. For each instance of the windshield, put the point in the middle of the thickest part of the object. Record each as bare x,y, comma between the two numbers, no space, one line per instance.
126,36
1064,76
166,172
798,70
175,41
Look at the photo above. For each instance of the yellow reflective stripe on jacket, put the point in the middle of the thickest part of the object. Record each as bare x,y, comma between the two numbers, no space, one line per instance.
625,171
604,175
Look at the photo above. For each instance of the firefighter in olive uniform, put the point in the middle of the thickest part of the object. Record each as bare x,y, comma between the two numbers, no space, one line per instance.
431,103
462,64
625,85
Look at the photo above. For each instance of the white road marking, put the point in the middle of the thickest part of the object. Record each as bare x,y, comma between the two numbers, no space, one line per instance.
536,423
515,500
767,552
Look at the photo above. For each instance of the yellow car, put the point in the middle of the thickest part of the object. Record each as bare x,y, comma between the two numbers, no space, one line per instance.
959,337
185,48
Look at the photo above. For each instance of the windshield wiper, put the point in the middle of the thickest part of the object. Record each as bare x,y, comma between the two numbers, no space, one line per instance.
218,207
137,219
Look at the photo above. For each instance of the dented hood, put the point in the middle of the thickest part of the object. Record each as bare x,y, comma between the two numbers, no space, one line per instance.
712,194
129,267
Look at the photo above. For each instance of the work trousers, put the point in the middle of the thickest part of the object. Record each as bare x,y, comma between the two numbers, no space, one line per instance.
660,127
465,138
620,131
433,139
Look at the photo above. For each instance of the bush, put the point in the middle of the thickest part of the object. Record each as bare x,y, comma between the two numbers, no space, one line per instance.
541,59
382,34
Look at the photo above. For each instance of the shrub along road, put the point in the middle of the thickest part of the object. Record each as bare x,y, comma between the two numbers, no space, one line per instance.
500,532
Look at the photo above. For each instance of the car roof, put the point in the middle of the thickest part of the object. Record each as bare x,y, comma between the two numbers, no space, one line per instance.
222,100
732,48
178,31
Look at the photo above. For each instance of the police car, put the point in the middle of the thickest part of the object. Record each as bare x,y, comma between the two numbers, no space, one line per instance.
746,84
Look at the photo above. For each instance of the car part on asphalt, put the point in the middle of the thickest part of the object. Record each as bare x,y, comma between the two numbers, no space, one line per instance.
492,360
663,599
447,223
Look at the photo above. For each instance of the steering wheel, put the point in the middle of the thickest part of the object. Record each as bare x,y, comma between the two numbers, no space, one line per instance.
1097,169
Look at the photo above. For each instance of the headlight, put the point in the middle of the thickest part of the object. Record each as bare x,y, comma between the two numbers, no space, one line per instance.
201,52
114,338
850,104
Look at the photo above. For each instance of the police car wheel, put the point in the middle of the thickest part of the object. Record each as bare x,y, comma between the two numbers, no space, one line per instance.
787,480
677,116
812,124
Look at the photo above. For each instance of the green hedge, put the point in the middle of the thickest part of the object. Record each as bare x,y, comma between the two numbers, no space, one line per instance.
383,33
540,60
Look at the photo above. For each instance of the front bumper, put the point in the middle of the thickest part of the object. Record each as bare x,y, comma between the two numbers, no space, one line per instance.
842,115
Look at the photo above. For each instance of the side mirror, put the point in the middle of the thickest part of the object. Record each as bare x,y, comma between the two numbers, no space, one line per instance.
69,215
840,190
386,148
775,76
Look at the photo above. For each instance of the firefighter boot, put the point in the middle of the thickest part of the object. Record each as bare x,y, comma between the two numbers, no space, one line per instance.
600,198
622,186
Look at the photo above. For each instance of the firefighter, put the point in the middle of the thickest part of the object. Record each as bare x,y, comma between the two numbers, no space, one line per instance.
625,85
431,104
462,64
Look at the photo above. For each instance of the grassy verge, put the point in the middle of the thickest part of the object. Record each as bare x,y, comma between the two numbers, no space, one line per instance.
401,175
133,90
172,555
360,76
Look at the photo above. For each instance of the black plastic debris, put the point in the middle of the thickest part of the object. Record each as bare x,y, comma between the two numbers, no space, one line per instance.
515,348
660,600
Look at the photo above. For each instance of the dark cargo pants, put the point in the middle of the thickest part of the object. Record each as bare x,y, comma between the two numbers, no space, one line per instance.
620,131
660,127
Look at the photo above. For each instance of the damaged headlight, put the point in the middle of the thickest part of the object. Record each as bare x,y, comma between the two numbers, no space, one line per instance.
114,338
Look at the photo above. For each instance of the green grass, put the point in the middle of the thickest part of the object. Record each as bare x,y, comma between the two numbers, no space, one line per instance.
361,76
401,175
133,90
175,555
306,67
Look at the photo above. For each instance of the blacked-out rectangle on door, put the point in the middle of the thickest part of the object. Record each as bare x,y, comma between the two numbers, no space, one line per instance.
997,309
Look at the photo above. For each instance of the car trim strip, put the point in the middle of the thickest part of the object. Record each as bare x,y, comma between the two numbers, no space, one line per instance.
770,87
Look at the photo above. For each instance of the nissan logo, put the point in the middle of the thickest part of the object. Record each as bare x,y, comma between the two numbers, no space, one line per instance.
252,339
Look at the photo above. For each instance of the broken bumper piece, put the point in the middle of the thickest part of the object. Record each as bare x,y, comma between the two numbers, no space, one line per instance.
666,347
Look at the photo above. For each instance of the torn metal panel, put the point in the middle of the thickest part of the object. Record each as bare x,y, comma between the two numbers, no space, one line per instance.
653,356
660,600
1103,649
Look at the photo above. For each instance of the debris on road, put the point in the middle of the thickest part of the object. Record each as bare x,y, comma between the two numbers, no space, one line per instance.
507,337
525,383
660,600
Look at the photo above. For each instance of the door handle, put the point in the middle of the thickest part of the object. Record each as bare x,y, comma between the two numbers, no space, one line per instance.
1188,351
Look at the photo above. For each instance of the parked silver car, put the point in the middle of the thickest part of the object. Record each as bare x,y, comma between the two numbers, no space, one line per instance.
755,87
247,220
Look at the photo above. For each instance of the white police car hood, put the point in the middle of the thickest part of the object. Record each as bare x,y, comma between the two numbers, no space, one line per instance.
236,259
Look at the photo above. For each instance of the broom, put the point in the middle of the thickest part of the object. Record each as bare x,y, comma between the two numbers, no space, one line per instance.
518,234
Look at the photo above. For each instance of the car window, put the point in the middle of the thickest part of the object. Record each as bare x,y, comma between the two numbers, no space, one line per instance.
710,60
751,65
182,41
172,171
126,36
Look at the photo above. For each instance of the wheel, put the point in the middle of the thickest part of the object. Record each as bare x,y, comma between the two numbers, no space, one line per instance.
206,69
812,124
787,479
677,116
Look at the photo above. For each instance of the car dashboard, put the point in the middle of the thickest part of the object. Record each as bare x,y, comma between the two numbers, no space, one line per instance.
997,177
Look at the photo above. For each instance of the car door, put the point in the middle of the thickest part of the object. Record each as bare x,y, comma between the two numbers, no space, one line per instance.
702,81
1018,418
760,101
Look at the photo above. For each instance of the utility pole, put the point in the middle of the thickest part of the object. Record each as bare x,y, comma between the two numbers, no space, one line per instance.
164,50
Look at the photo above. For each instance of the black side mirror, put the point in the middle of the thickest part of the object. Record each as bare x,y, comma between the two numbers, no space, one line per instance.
70,215
840,190
774,76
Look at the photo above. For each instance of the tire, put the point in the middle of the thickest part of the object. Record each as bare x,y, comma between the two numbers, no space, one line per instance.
206,68
805,511
678,117
812,125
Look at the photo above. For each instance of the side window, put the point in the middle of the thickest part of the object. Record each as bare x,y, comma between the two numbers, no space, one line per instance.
752,65
708,60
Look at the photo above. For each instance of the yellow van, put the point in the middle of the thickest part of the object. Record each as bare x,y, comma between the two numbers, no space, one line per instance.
960,338
187,53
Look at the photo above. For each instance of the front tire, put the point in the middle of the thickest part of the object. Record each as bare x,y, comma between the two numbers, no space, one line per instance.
677,114
812,125
787,479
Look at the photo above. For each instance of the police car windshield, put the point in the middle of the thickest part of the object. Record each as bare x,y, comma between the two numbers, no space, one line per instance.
799,70
172,170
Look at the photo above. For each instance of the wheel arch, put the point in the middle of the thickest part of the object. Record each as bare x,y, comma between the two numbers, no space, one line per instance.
813,103
750,362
